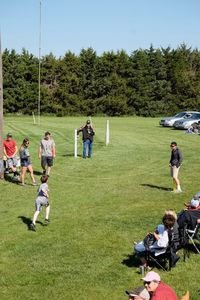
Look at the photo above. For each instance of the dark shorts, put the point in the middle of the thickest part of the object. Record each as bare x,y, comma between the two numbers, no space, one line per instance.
47,160
25,163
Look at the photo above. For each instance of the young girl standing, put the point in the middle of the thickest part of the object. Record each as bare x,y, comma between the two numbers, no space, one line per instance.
25,162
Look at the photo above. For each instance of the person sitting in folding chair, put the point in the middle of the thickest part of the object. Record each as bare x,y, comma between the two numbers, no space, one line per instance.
189,224
159,242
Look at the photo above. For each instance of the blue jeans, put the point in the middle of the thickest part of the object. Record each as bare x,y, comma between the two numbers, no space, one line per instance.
86,144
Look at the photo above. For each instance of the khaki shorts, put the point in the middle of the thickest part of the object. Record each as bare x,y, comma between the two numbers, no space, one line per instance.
174,171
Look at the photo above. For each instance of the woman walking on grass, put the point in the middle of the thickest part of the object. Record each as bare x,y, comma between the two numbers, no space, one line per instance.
25,162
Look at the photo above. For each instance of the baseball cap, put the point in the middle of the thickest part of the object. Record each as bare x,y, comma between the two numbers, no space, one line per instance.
139,291
151,276
9,134
88,122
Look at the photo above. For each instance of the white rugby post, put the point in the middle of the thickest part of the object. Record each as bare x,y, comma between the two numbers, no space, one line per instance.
75,143
34,122
107,133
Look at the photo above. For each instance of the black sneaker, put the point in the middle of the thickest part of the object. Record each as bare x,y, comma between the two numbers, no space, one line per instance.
46,221
44,172
32,227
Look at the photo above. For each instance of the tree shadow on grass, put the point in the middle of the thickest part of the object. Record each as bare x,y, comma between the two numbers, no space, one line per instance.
158,187
130,261
28,221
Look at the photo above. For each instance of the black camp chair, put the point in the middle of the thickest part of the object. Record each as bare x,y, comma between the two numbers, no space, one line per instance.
189,224
192,236
166,260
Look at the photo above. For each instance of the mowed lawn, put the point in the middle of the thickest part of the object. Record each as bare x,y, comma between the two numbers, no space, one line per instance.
99,207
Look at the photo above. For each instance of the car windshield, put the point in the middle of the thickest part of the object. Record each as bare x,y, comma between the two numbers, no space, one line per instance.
187,116
195,116
180,115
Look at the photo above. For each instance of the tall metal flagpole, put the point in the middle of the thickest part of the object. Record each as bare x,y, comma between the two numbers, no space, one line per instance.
1,116
39,67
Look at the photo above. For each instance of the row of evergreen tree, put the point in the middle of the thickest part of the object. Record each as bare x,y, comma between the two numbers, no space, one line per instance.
148,82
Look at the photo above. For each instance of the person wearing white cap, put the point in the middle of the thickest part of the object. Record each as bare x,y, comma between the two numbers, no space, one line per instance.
157,289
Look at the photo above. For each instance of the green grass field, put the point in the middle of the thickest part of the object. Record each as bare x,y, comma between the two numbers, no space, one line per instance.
99,207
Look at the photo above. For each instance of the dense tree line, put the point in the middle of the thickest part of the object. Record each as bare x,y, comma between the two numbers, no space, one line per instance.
147,82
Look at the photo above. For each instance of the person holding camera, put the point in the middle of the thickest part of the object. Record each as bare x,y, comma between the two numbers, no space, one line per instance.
87,136
158,241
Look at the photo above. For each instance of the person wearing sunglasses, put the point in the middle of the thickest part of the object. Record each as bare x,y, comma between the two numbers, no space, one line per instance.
157,289
175,163
25,162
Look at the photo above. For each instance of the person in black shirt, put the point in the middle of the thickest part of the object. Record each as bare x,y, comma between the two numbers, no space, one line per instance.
175,163
87,135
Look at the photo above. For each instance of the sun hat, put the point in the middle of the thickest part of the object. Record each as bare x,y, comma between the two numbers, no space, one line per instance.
139,291
151,276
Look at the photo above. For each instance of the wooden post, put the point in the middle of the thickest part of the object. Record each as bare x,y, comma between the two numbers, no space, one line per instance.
1,116
39,68
75,144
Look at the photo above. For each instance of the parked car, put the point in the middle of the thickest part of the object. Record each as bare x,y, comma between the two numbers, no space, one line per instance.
186,123
169,121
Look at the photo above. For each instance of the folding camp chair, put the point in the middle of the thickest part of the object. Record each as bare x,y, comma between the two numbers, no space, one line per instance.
169,257
192,235
167,260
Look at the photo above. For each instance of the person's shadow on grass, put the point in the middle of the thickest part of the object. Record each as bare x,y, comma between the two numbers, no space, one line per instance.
37,172
10,179
130,261
156,187
28,221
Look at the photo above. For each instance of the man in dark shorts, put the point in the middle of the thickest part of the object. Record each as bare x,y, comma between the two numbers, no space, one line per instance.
47,153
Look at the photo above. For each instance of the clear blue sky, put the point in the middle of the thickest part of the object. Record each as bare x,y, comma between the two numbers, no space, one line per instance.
104,25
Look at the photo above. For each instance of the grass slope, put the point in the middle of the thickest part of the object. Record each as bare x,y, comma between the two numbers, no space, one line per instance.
99,207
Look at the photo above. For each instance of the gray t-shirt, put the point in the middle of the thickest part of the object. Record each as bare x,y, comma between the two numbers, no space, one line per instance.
43,187
47,147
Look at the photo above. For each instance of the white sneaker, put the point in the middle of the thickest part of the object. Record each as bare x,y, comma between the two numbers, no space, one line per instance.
179,191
